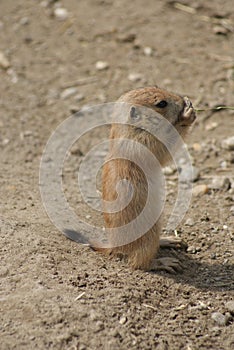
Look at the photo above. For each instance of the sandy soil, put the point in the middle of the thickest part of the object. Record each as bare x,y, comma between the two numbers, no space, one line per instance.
55,293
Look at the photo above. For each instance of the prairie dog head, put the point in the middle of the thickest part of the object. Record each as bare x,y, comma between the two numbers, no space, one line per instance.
176,109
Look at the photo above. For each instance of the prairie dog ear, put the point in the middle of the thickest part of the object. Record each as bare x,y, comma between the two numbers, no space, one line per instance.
134,114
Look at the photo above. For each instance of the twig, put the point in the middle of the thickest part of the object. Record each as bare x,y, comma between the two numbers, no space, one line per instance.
226,23
221,58
80,82
150,307
79,296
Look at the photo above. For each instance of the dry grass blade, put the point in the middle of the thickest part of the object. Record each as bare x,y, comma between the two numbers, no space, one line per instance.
218,108
79,296
150,307
80,82
185,8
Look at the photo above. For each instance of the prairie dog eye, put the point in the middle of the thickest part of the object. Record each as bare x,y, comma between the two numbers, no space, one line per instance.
161,104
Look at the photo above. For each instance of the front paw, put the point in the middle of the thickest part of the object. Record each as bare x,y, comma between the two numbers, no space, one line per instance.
188,115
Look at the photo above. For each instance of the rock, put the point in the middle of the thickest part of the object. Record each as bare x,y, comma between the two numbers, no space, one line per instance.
102,65
123,319
68,92
223,164
219,318
189,222
134,77
232,209
228,143
231,157
3,271
61,13
230,306
220,183
167,170
211,126
197,147
148,51
99,326
24,21
4,63
13,76
74,109
220,30
126,38
199,306
188,174
193,250
199,190
5,142
79,97
94,315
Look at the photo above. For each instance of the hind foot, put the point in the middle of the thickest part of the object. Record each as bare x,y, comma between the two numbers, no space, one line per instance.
170,265
172,242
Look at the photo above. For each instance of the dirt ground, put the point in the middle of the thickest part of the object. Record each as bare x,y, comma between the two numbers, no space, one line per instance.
55,293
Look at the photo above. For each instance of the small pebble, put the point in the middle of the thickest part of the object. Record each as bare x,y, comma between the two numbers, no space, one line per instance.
213,256
200,306
220,30
188,174
219,318
230,306
79,97
99,325
232,209
68,92
148,51
74,109
197,147
211,126
126,38
199,190
94,315
223,164
4,271
12,74
168,170
220,183
228,143
102,65
122,320
5,142
231,158
4,63
61,13
24,21
134,77
193,250
189,222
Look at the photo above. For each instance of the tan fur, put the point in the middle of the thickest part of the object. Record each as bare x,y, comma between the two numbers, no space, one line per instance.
179,113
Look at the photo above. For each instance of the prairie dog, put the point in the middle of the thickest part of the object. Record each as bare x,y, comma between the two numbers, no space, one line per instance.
178,111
